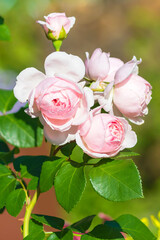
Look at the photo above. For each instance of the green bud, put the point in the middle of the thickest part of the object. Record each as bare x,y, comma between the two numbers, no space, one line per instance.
62,34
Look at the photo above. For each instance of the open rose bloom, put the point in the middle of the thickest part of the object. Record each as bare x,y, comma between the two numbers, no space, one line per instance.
56,98
104,135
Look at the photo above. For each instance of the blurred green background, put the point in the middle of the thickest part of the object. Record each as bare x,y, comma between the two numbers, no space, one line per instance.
122,27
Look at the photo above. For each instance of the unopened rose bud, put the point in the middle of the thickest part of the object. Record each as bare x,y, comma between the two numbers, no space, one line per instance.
57,26
101,67
97,67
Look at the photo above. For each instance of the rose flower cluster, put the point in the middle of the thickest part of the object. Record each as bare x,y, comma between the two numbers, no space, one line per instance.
64,98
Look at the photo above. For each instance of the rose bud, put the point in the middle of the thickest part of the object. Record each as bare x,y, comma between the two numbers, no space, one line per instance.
101,66
104,135
57,25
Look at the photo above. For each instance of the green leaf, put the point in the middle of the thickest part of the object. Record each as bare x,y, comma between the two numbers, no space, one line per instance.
83,225
7,184
66,234
29,166
103,232
69,185
2,210
35,231
118,180
3,146
8,157
68,148
35,236
54,222
134,227
1,20
21,130
4,33
15,202
125,154
4,171
77,154
35,226
7,100
49,170
33,184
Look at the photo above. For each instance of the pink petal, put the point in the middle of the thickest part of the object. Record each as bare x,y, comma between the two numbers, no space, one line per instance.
126,70
27,80
62,63
72,21
130,140
136,120
87,151
59,138
115,64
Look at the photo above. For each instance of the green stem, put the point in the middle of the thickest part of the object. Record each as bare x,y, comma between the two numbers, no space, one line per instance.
52,150
25,190
18,178
28,212
57,45
56,150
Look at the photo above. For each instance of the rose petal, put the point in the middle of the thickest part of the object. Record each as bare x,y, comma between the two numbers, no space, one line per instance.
130,140
59,138
27,80
63,63
136,120
58,124
89,97
92,154
126,70
72,21
115,64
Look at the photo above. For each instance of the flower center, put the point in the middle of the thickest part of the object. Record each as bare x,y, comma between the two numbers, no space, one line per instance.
114,132
57,103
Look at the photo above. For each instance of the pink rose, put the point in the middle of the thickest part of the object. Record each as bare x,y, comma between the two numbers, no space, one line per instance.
104,135
131,93
101,66
56,23
56,98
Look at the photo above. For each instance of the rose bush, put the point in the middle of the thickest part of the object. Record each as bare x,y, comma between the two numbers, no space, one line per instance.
63,100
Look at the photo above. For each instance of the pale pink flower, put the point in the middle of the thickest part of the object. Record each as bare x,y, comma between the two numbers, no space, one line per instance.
130,93
56,98
55,22
104,135
100,66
